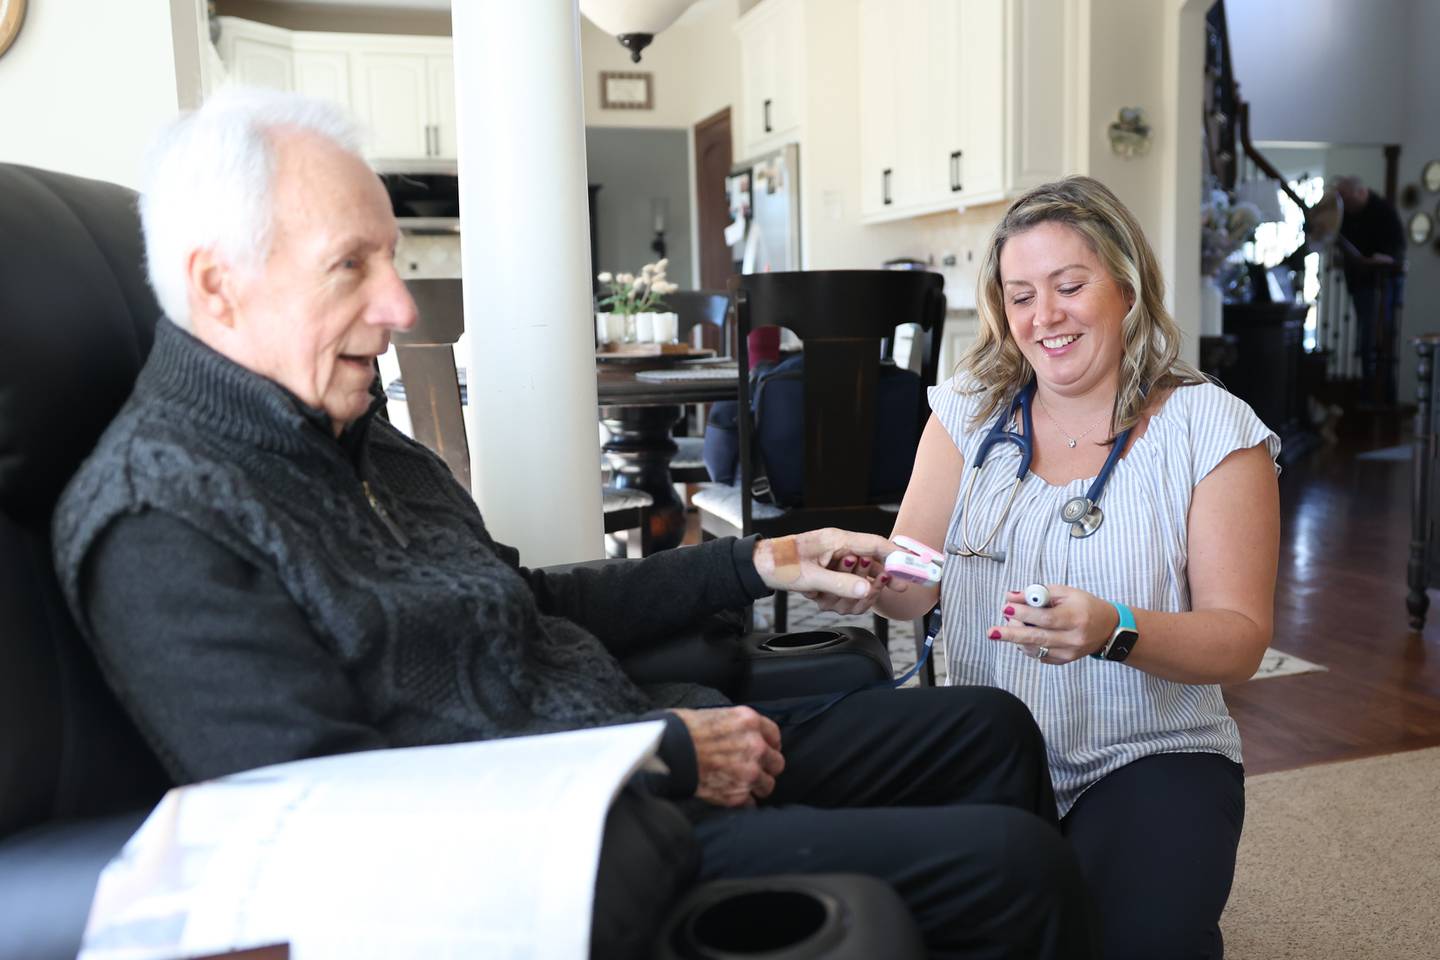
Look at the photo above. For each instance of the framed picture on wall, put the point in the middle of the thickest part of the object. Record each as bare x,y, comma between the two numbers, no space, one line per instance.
626,91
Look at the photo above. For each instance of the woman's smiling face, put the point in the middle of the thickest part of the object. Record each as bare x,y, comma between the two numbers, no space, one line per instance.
1064,309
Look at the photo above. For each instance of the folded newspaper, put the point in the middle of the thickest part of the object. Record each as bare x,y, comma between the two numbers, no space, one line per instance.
466,850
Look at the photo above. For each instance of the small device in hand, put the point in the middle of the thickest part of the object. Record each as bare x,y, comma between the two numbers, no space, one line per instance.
1037,596
914,562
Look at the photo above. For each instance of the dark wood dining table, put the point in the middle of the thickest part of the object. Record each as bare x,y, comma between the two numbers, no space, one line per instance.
640,416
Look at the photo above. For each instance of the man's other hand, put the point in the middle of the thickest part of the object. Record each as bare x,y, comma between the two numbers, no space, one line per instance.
737,752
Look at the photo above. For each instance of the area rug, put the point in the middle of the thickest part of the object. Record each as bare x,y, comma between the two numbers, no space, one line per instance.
1339,862
806,615
1403,452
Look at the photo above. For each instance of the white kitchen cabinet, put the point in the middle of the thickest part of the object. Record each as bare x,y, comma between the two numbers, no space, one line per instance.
324,75
442,105
407,99
256,54
772,70
977,89
400,88
393,100
879,144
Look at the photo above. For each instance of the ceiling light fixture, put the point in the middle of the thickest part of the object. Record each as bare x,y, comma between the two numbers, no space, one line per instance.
633,22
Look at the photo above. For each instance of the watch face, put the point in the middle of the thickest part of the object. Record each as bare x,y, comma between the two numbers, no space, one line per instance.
1121,646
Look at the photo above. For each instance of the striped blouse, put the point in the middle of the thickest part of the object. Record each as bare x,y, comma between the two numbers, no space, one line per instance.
1096,715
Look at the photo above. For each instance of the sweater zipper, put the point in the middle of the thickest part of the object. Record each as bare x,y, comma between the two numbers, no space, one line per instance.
384,515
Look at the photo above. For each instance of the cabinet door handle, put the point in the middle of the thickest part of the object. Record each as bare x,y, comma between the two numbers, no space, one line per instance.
885,187
768,127
955,170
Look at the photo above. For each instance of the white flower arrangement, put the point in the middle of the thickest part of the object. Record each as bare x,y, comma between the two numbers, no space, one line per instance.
631,294
1224,227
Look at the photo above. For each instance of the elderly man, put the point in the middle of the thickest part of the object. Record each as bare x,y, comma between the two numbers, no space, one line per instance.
267,571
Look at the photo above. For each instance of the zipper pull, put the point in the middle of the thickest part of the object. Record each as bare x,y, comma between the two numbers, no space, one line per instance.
384,515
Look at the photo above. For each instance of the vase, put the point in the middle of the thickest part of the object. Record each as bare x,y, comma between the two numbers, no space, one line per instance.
667,327
1212,308
629,335
645,327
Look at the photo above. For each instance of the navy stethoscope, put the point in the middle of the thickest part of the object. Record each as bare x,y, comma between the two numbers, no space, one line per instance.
1082,513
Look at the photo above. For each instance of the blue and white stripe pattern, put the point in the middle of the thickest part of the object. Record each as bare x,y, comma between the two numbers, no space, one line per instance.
1097,716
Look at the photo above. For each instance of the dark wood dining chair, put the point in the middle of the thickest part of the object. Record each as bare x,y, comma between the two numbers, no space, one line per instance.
702,323
846,320
435,400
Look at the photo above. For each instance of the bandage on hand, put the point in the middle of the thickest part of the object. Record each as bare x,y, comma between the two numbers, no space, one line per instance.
785,555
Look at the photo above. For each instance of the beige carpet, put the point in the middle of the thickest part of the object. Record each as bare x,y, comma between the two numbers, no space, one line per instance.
1340,862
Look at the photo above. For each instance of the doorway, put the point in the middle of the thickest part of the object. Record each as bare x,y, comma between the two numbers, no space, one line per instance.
712,165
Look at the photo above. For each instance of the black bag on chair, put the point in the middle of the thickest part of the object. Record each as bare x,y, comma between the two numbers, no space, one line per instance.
779,437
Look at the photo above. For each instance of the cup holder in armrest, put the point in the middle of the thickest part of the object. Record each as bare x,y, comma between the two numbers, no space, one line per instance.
761,922
812,917
803,642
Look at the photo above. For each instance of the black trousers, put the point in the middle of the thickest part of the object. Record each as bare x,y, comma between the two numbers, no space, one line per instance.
1156,841
942,792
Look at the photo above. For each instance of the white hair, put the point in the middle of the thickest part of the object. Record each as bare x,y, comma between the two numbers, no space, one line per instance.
209,178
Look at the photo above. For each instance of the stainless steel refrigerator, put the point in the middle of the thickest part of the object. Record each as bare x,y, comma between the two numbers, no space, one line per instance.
764,230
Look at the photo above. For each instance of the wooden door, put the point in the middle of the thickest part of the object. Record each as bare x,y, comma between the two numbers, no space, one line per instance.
712,165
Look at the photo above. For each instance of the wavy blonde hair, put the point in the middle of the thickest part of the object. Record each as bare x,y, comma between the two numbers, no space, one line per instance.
1150,361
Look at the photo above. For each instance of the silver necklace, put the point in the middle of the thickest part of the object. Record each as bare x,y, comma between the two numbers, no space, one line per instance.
1068,439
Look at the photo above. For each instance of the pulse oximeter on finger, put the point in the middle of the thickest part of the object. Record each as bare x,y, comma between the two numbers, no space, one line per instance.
915,562
907,566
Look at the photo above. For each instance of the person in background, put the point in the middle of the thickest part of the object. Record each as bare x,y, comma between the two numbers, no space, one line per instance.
1169,597
326,586
1375,276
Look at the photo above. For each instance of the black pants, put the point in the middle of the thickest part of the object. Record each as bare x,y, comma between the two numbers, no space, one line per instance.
1156,841
942,792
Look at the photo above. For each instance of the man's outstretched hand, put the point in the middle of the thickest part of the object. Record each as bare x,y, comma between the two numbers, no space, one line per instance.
817,564
738,754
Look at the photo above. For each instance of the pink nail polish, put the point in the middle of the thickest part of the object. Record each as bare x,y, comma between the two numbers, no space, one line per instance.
865,561
849,561
994,634
1009,611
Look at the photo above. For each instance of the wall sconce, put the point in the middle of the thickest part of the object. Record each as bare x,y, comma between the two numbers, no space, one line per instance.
659,213
633,22
1130,134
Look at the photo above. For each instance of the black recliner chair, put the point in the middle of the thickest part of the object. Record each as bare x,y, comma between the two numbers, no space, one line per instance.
76,779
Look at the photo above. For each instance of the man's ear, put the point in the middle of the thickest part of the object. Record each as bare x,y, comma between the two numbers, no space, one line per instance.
212,289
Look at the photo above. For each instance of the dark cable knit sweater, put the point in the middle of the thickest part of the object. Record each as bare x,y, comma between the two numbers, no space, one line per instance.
258,591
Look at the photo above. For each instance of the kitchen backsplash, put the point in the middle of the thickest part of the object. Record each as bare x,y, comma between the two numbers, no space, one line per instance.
428,256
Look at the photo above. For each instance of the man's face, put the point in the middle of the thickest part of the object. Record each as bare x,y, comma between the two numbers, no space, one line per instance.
319,311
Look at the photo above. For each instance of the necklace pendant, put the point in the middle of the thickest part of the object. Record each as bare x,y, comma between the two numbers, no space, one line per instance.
1071,442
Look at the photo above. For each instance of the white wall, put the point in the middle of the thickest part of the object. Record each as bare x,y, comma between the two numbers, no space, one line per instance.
86,86
1325,70
694,67
1420,143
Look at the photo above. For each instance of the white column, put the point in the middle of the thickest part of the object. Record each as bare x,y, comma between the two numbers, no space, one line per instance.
525,261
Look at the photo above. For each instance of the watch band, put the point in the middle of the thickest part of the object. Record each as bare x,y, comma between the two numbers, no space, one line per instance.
1122,639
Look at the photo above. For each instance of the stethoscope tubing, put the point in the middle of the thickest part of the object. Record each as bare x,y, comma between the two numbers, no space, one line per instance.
1087,521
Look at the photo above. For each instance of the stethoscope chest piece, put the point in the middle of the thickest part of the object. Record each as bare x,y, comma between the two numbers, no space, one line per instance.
1083,515
1075,508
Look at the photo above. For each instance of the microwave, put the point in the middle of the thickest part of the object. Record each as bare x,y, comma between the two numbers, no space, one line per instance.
424,202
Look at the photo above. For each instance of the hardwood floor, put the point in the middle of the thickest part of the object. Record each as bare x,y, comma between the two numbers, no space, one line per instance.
1341,603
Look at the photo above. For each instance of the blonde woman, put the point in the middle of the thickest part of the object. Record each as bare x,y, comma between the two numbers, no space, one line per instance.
1170,595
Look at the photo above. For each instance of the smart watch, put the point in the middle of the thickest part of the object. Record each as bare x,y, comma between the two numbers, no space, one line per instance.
1122,641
